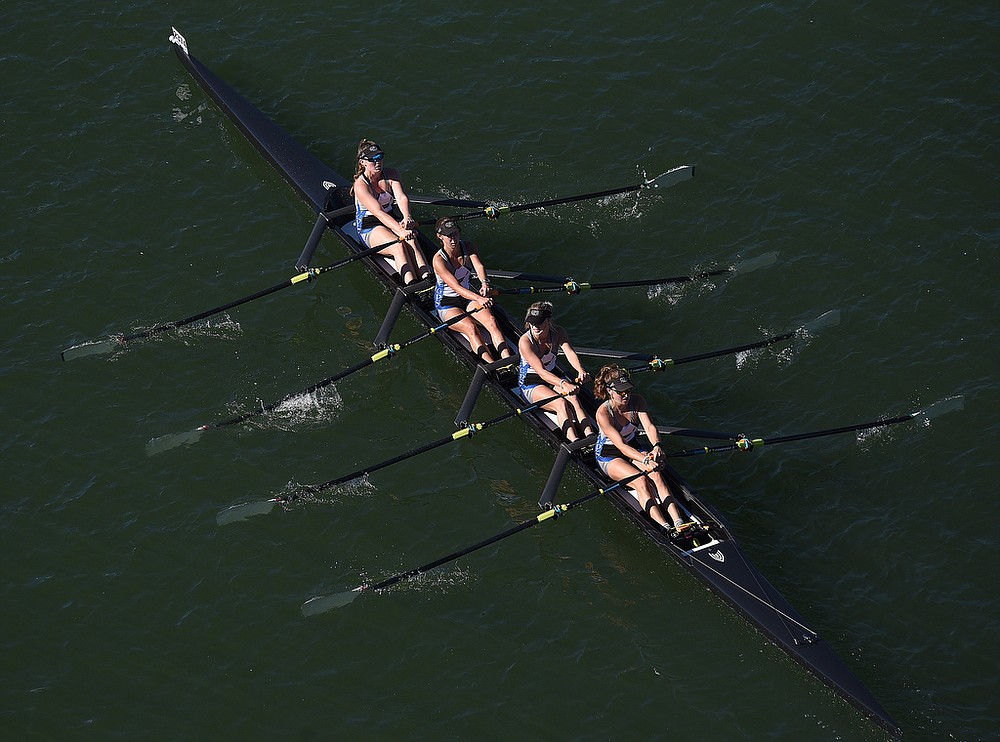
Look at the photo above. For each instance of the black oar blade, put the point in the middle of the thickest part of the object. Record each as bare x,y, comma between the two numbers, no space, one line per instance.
173,440
246,510
950,404
322,604
671,177
99,347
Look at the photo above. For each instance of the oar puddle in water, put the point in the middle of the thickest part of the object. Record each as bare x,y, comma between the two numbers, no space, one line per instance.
172,440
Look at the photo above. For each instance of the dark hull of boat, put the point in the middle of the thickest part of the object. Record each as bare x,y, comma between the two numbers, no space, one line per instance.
713,556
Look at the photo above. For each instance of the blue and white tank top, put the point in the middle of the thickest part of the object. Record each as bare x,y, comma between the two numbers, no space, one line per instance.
386,199
604,449
445,295
526,376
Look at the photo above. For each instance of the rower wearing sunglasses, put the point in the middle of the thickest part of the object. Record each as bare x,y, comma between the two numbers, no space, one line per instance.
538,377
454,265
382,214
629,443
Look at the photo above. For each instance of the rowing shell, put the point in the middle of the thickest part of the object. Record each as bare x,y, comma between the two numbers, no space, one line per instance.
709,551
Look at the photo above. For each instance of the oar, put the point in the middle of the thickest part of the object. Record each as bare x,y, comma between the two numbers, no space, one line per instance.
667,179
415,198
242,512
743,443
466,203
322,604
655,363
572,287
827,319
106,346
521,276
172,440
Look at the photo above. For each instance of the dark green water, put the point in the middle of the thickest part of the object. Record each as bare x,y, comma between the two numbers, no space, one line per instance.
857,140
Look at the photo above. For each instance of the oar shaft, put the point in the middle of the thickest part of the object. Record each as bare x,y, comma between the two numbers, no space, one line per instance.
466,432
671,177
572,199
540,518
357,256
655,281
749,443
835,431
306,275
380,355
270,407
575,287
729,351
208,313
389,462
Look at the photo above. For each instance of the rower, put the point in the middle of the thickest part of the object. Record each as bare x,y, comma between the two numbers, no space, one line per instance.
621,453
538,377
454,265
382,214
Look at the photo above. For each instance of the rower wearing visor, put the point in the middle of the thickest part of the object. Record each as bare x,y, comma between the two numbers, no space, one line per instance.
382,214
454,265
628,444
537,377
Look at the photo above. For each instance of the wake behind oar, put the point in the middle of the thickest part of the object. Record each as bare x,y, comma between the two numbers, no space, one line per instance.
321,604
307,275
292,493
173,440
309,492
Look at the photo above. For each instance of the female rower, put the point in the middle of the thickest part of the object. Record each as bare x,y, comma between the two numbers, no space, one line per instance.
537,379
619,452
382,213
454,265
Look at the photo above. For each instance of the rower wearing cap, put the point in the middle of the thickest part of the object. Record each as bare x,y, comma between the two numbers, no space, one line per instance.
382,213
619,451
454,265
537,379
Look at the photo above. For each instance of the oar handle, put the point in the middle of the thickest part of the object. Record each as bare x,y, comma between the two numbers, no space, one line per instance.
357,256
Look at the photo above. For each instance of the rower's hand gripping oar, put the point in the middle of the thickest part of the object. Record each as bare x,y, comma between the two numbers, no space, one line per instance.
667,179
106,346
743,443
318,604
172,440
262,507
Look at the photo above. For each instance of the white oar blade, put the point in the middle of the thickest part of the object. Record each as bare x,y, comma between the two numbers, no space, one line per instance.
244,511
950,404
752,264
827,319
99,347
322,604
172,440
671,177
